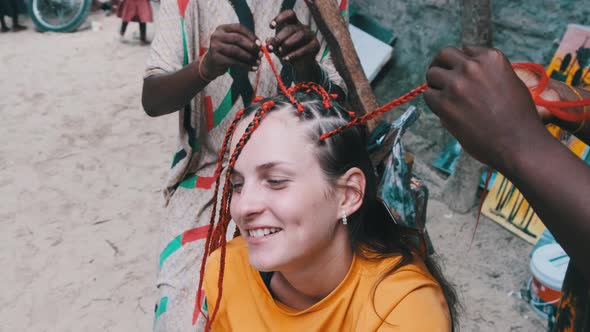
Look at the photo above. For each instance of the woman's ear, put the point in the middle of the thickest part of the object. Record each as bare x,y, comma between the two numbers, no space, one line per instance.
351,191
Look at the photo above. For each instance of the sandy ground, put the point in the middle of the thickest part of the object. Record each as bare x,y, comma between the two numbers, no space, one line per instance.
81,168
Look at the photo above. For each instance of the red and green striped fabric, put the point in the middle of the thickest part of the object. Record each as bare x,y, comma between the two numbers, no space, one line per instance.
161,308
189,236
193,181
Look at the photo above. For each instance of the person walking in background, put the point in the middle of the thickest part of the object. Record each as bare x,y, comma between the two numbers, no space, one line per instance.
135,11
10,8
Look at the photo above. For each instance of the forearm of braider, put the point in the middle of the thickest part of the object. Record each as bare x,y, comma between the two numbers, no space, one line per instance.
167,93
556,183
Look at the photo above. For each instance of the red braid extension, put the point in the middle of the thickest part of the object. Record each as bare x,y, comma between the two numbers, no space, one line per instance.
218,170
282,86
325,96
218,238
310,86
555,107
383,109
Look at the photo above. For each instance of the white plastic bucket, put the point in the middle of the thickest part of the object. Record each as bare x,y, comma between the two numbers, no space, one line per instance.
548,266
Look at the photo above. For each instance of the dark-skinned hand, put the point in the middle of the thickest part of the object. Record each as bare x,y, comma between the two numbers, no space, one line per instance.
294,42
231,45
483,103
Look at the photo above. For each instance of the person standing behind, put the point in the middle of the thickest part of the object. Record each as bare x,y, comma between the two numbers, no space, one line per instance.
135,11
205,64
10,8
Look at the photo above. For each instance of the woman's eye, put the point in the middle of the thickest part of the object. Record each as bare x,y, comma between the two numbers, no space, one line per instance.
277,183
237,187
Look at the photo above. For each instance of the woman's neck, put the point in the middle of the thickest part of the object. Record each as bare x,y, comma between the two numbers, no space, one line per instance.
305,286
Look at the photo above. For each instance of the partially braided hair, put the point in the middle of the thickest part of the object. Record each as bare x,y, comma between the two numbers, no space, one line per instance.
217,232
370,230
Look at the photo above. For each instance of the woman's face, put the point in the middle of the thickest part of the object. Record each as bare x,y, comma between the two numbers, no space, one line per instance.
282,203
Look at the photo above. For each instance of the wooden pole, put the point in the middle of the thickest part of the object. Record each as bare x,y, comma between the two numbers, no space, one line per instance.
460,190
333,27
476,21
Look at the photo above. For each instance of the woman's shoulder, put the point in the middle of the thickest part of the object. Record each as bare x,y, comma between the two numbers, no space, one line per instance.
414,266
409,277
408,293
236,257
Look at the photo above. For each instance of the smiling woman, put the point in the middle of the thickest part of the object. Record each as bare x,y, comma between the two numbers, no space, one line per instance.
317,250
278,184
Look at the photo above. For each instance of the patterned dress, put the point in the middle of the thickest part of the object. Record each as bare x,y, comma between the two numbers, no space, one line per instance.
184,28
135,11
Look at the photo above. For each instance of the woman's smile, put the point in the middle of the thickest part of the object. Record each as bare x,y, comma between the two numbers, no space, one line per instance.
261,235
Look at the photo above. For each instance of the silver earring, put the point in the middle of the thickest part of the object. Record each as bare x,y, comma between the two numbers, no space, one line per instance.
344,220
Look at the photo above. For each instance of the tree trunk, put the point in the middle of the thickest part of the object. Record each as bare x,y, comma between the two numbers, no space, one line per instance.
460,190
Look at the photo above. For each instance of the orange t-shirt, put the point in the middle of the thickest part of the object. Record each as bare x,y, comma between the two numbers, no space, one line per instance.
409,299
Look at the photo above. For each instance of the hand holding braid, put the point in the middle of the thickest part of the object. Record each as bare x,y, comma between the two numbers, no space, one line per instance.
230,45
294,42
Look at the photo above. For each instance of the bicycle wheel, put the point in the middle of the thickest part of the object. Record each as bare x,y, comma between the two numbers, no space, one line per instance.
59,15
